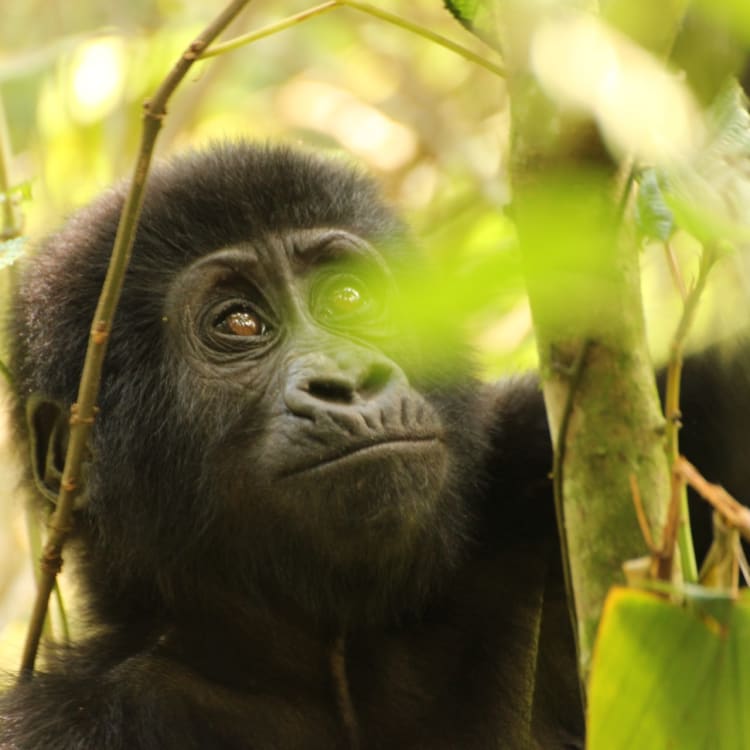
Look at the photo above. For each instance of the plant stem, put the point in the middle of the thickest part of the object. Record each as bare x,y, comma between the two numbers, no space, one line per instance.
273,28
672,410
383,15
370,10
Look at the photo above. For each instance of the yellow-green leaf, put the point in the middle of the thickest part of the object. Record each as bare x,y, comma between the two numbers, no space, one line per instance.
671,676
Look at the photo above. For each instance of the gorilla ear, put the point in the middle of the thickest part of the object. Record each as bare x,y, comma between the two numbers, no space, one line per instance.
48,422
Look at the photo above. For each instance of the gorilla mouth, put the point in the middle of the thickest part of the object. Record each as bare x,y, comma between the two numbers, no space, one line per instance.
394,446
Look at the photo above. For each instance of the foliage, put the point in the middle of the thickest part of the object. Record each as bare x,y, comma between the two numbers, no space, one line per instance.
671,675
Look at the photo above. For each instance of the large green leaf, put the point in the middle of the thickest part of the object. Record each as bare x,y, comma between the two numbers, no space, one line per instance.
670,676
735,13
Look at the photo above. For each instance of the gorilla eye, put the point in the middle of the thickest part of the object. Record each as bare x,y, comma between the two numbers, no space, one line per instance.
344,299
347,299
241,323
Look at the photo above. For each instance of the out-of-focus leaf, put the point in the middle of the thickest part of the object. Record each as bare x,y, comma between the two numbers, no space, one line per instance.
22,189
568,228
642,109
652,25
710,197
458,288
671,676
734,13
653,217
730,122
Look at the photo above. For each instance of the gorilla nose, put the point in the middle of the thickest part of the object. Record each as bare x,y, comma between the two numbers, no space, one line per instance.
335,390
342,388
320,383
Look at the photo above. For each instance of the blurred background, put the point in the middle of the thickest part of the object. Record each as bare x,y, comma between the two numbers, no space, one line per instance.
431,125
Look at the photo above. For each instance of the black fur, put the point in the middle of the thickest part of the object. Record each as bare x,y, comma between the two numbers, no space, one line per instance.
221,577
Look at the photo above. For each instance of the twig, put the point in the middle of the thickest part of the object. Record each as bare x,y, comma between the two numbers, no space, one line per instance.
672,410
662,554
459,49
370,10
671,531
82,412
640,514
273,28
735,513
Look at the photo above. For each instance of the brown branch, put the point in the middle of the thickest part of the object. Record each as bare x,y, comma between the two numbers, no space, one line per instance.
662,555
665,560
735,513
640,513
82,412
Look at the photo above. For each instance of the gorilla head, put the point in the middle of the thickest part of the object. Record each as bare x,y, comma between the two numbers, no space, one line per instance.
269,429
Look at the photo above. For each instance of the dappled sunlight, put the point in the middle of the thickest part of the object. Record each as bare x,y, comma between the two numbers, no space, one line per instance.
97,78
361,128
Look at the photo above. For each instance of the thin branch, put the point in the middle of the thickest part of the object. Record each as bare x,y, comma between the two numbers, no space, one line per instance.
640,514
273,28
439,39
674,525
83,411
672,410
370,10
735,513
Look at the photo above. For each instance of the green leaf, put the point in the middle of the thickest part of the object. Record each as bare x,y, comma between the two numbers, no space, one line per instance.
729,121
463,10
734,13
671,676
710,196
653,216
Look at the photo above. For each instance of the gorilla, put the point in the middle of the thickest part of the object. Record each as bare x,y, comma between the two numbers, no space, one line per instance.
303,528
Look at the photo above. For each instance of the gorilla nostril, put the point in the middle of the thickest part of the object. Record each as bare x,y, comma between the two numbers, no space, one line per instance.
342,390
335,391
375,380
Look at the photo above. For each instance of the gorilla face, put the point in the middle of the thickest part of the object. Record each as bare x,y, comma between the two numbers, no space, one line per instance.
291,339
271,427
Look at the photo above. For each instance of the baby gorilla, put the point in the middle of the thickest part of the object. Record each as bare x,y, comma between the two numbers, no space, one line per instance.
302,528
